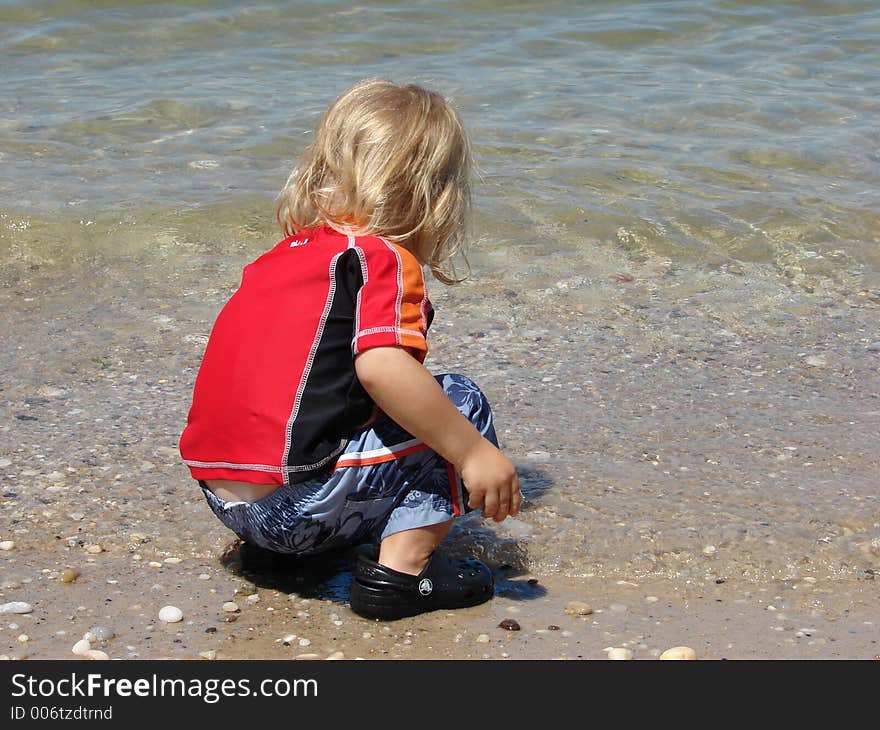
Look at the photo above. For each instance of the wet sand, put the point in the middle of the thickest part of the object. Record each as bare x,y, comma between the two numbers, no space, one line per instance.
698,449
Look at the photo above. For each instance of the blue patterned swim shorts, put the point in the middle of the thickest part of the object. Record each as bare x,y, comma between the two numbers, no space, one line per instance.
385,481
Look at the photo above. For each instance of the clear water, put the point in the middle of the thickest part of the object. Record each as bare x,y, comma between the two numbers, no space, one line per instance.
709,131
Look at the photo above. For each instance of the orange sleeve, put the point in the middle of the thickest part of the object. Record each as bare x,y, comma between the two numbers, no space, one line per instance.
392,305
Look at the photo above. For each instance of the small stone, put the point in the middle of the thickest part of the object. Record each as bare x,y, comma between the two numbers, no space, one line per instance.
204,576
577,608
619,653
210,654
24,638
231,607
154,564
16,607
173,561
7,544
94,549
483,639
97,654
336,656
651,599
170,614
509,624
305,642
816,361
5,462
253,598
709,550
76,516
307,657
9,584
69,575
81,647
367,635
679,653
552,627
102,633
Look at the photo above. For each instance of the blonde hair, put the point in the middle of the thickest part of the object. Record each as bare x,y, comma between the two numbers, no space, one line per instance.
387,160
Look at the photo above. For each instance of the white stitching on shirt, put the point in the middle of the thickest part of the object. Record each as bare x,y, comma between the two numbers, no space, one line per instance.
230,465
376,330
398,305
288,437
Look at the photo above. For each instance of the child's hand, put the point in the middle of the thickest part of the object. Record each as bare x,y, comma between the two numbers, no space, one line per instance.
492,482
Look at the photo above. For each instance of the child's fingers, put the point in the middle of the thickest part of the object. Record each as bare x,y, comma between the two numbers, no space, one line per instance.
516,500
490,505
475,500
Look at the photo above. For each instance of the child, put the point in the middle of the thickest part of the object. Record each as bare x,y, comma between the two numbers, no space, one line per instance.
314,424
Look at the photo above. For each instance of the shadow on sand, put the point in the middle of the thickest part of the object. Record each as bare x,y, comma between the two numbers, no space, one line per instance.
327,576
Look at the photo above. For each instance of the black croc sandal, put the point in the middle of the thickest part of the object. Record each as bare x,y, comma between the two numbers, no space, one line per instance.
382,593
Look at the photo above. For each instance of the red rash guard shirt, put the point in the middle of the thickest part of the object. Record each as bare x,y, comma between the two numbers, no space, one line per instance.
276,397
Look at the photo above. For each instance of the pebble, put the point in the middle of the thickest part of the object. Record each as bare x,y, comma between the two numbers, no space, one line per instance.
69,575
24,638
76,516
97,654
619,653
483,639
5,462
94,549
305,642
173,561
16,607
204,576
231,607
709,550
306,657
170,614
253,598
336,656
210,654
651,599
509,624
7,545
102,633
577,608
81,647
154,564
367,635
8,584
816,361
679,653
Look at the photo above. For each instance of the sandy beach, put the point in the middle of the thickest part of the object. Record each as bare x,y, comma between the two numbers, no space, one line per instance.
697,450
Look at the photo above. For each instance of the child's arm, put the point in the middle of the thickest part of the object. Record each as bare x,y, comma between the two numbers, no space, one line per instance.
409,395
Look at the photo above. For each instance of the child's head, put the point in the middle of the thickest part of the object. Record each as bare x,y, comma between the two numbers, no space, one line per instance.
388,160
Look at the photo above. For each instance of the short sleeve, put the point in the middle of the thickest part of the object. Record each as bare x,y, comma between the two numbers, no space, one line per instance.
392,305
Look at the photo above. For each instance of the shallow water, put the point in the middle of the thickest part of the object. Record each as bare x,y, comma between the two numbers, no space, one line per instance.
675,286
696,131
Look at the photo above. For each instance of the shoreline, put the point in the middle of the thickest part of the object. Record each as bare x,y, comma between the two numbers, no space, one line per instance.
674,428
